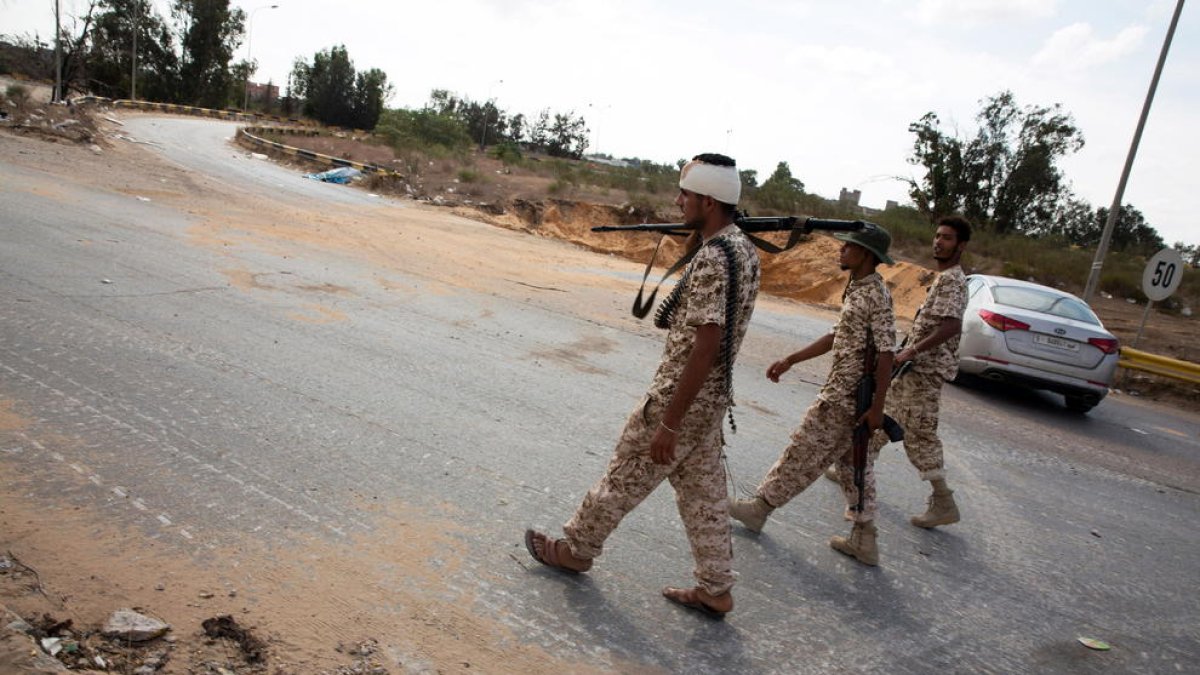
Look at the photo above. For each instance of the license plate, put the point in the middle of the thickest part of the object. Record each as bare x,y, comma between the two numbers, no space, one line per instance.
1057,342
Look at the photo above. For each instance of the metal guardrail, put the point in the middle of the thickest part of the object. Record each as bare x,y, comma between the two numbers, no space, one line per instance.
245,134
1135,359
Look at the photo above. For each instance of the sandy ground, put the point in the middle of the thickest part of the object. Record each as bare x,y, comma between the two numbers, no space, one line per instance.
84,569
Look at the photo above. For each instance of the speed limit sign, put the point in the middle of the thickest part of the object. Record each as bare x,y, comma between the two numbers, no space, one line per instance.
1163,274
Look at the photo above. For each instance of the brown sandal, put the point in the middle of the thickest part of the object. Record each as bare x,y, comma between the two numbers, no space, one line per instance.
690,598
550,556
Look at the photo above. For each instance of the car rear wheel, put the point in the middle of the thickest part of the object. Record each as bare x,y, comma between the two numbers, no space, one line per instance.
1079,404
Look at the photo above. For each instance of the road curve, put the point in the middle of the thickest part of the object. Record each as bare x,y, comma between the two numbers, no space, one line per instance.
402,424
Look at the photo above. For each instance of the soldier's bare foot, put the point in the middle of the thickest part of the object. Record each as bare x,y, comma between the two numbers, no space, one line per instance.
554,553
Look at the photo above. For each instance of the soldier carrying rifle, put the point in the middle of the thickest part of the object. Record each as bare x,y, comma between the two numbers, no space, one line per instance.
675,433
930,353
825,434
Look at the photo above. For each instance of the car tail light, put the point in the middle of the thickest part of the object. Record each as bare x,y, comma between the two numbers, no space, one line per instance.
1106,345
1001,322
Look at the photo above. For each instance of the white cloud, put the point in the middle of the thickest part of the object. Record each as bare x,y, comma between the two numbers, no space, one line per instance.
972,12
1077,47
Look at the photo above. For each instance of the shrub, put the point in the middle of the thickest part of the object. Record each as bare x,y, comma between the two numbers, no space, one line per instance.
507,152
18,94
435,133
468,175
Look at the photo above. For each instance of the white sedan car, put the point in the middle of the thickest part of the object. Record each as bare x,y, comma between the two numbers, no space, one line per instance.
1029,334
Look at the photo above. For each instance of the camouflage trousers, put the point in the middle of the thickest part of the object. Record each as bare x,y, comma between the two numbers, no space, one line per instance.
697,475
913,401
823,437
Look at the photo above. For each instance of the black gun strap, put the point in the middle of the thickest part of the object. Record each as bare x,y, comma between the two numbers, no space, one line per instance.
640,308
794,238
733,300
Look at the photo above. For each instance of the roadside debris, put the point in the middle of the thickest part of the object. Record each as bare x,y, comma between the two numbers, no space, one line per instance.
1093,643
224,626
365,662
126,624
341,176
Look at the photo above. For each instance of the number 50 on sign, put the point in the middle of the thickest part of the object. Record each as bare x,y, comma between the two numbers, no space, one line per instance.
1163,275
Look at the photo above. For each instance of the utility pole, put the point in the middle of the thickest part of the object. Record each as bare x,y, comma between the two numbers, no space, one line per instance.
1115,210
486,106
133,59
57,52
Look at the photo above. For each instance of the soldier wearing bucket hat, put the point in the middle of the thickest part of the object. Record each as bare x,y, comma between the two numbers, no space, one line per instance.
825,434
871,237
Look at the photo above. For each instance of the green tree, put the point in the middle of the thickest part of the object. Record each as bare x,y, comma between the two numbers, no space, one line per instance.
941,191
1006,176
371,92
335,94
210,32
781,191
749,179
1131,233
108,55
1080,225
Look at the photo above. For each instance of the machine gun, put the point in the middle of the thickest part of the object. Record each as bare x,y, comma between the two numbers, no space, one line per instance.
864,396
796,225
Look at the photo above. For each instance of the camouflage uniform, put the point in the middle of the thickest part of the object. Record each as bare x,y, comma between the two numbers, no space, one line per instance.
697,474
913,400
825,433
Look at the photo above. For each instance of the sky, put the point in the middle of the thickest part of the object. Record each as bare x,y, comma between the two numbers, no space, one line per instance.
829,87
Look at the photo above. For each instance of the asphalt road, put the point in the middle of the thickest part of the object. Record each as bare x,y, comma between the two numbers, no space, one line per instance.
218,413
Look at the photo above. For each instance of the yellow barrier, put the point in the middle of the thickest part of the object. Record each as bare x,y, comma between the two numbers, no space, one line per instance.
1135,359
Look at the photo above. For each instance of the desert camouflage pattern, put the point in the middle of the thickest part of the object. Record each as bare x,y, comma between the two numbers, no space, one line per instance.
823,438
913,401
697,474
946,298
704,302
825,435
865,304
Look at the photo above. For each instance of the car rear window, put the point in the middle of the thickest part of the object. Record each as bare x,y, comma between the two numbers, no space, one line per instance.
1046,302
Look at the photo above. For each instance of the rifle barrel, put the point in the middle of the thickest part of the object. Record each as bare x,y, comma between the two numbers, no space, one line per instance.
749,224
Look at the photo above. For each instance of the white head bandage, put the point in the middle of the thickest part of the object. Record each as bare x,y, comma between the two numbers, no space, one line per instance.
719,182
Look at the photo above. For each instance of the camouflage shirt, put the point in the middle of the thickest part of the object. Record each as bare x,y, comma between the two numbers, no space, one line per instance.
946,298
702,302
867,304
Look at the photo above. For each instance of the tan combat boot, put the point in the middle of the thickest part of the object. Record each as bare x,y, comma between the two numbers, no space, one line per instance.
860,545
751,512
941,510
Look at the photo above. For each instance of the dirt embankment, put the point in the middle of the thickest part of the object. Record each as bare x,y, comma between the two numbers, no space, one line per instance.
808,273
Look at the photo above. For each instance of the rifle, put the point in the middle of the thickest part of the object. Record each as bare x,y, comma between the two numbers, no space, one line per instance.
797,226
864,396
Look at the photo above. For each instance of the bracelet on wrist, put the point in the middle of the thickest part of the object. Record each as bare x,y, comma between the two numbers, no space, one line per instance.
663,424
